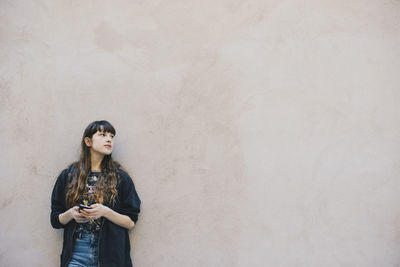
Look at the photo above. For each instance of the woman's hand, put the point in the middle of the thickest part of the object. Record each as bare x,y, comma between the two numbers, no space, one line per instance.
99,210
78,217
96,211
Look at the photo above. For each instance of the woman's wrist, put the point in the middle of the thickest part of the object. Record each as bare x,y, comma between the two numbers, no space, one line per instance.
65,217
107,212
119,219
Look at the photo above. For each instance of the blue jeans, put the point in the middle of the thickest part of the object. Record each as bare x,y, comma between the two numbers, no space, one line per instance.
85,252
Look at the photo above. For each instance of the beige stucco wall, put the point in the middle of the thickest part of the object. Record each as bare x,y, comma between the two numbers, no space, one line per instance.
258,133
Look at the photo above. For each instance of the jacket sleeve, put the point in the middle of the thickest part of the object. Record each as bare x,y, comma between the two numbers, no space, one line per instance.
57,200
128,197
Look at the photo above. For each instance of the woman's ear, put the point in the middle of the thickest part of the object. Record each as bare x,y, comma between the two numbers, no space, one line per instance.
88,141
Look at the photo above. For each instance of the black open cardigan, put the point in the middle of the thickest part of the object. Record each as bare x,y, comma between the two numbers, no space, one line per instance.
114,245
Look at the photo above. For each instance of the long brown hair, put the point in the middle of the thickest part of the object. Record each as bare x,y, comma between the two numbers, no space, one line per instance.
106,185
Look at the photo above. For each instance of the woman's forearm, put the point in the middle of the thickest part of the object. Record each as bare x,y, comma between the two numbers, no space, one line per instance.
119,219
65,217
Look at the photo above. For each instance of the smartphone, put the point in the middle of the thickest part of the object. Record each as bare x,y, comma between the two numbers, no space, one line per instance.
81,207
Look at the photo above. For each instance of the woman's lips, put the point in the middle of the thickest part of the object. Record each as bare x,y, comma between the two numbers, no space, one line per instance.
108,146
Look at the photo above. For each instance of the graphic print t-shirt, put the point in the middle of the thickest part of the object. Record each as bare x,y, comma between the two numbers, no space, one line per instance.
88,199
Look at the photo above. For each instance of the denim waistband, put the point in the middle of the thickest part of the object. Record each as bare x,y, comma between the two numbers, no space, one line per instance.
87,235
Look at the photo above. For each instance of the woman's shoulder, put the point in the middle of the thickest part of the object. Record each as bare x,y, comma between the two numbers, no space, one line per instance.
73,167
119,168
67,172
123,174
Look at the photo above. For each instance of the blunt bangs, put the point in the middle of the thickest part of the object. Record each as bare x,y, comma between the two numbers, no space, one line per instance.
101,126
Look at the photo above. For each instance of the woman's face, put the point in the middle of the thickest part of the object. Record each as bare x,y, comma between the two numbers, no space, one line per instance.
101,142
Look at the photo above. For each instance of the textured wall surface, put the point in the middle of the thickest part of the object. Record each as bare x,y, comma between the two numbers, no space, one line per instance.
258,133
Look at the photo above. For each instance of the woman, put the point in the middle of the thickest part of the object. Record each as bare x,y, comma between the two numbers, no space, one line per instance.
96,203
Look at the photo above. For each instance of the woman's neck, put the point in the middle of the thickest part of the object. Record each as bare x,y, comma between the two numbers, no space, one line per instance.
96,160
